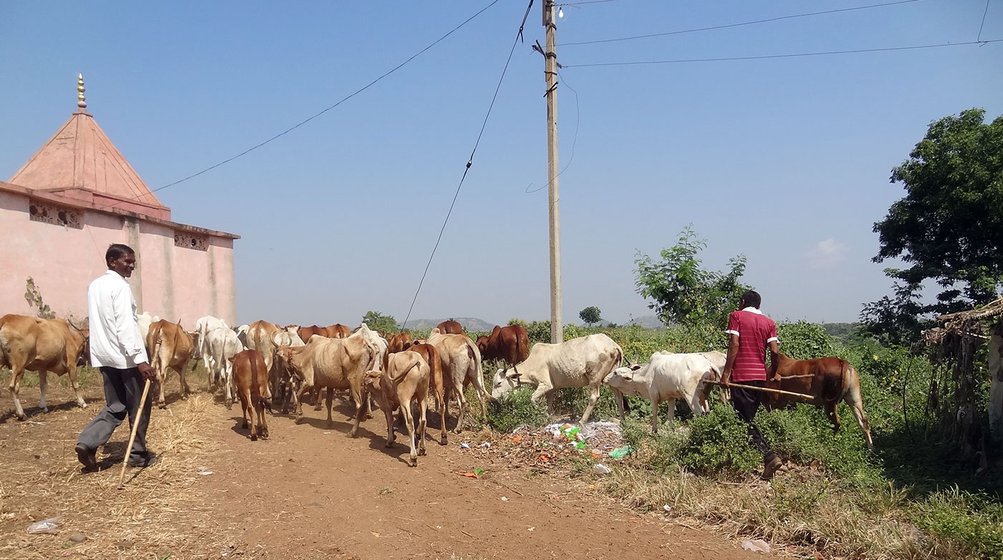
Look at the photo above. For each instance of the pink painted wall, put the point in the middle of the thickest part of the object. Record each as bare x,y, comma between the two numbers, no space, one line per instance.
169,281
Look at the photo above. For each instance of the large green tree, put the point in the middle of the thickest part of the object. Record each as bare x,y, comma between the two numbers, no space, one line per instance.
948,227
590,315
380,322
682,291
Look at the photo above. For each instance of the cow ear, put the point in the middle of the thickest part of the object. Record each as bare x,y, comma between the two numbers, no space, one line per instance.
514,375
635,367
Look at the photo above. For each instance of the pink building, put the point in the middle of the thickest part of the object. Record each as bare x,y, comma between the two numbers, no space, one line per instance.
76,196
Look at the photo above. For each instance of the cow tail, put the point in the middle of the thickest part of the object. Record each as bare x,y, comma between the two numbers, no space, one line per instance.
397,380
836,391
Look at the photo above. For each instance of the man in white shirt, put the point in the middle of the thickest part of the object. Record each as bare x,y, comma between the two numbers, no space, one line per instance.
118,349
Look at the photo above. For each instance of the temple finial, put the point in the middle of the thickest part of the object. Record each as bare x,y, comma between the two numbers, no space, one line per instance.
81,103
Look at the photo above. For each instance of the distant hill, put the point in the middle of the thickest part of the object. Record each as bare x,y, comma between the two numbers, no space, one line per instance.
647,321
470,324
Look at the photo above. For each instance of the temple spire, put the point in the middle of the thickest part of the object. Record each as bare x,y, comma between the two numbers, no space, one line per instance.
81,102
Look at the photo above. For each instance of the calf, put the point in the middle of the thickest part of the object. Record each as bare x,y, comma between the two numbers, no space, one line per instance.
825,381
667,377
437,382
170,347
221,345
404,382
41,345
251,379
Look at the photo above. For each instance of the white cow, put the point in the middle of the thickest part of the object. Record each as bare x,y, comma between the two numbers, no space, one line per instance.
667,377
221,345
145,320
202,327
579,362
461,365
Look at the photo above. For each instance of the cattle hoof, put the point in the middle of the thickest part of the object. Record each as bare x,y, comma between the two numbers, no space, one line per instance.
422,451
413,461
254,437
443,441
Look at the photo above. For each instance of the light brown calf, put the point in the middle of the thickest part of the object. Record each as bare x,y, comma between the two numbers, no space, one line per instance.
170,347
250,376
404,382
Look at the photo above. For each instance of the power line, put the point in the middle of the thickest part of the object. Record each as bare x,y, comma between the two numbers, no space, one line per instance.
342,100
772,56
470,161
981,25
740,24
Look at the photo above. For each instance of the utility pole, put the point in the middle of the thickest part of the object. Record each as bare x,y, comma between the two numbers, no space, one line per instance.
553,195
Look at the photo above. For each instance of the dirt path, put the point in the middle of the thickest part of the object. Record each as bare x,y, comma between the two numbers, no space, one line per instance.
310,491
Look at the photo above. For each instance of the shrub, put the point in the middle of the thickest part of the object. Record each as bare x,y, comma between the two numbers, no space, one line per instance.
961,524
516,409
719,442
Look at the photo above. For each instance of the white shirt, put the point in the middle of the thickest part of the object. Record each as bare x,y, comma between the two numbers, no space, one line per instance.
115,338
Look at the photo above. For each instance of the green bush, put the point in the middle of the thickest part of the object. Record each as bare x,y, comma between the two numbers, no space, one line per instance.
719,443
802,340
962,524
516,409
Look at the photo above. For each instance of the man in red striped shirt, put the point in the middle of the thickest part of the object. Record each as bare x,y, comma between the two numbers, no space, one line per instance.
750,334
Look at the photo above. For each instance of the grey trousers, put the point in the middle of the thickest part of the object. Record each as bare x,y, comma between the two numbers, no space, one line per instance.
122,390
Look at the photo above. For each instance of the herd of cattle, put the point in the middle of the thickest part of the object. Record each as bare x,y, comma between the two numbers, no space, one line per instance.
262,364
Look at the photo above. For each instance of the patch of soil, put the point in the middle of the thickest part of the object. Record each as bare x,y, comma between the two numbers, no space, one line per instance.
309,491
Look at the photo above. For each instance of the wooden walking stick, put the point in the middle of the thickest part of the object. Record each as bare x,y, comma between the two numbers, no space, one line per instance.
132,436
763,389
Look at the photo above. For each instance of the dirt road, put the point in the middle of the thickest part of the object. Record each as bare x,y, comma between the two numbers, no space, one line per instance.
309,491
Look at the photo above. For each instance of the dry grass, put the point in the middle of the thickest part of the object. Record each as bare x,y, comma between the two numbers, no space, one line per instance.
160,513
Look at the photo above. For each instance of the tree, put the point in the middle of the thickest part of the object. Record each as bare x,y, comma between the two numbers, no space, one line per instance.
590,315
949,225
685,293
380,322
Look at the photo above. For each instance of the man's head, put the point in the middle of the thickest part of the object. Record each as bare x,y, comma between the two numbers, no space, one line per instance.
121,259
750,299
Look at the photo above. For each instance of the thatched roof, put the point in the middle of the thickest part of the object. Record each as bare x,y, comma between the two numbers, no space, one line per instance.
968,322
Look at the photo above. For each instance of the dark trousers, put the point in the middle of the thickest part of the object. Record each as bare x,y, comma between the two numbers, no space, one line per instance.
122,390
746,403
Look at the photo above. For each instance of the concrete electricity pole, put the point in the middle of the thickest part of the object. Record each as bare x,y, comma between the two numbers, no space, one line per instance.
553,196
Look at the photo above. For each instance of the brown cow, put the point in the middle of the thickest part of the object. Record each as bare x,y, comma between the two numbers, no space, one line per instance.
509,343
404,381
827,380
170,347
397,342
337,330
41,345
251,379
437,383
450,326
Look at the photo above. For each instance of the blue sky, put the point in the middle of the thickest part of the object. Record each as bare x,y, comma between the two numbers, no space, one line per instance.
785,160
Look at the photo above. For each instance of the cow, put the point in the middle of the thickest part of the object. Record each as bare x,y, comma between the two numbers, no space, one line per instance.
398,341
449,326
41,345
579,362
251,380
338,330
170,347
221,345
202,327
145,320
404,382
825,381
667,377
436,381
509,344
461,361
333,363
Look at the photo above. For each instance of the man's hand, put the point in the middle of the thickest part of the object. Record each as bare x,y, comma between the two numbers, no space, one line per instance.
147,372
726,379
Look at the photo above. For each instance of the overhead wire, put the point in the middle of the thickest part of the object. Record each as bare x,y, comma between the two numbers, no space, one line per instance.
775,56
981,25
339,102
739,24
470,161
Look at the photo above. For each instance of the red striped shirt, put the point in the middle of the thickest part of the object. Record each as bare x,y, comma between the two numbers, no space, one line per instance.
754,331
